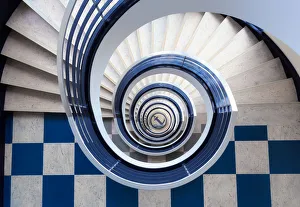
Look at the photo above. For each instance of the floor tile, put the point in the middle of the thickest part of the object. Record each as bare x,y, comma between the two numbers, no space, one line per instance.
285,190
26,191
28,127
90,190
7,191
155,198
58,159
284,132
252,157
253,190
27,159
8,127
58,190
126,197
82,164
191,194
7,159
57,129
284,157
226,163
251,133
220,190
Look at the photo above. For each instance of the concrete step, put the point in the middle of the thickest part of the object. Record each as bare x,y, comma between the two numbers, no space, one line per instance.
243,40
21,75
159,27
190,23
117,62
267,72
251,58
133,43
174,25
209,23
23,50
28,23
51,11
144,38
269,114
20,99
281,91
124,52
221,37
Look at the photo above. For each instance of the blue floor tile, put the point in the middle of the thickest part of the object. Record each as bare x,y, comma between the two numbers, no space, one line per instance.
57,129
284,157
253,190
226,163
82,165
8,128
58,191
118,195
189,195
27,159
250,133
7,191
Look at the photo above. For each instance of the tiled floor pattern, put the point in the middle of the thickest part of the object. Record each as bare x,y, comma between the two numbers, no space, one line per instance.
44,167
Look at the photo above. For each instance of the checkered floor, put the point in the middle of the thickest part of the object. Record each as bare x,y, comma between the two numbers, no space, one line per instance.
44,167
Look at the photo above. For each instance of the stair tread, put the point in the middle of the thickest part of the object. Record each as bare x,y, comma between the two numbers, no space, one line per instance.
191,21
209,23
174,24
144,38
50,10
133,43
159,27
243,40
267,72
271,113
20,99
275,92
251,58
223,34
28,23
21,75
22,49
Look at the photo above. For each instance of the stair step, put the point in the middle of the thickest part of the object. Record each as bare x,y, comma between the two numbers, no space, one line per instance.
51,11
105,94
253,57
111,74
105,104
23,50
174,24
271,114
144,38
107,84
275,92
64,2
264,73
28,23
133,43
117,63
125,54
159,27
190,23
243,40
21,75
209,23
20,99
221,37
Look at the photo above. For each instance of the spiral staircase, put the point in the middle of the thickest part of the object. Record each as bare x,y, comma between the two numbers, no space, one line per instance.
164,109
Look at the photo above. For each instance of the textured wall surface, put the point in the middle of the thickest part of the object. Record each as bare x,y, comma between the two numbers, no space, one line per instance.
45,167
